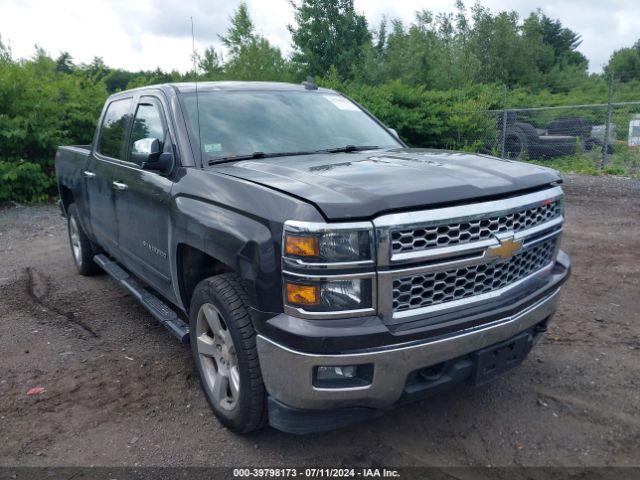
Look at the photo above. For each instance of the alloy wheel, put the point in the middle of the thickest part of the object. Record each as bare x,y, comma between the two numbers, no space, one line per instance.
74,236
218,357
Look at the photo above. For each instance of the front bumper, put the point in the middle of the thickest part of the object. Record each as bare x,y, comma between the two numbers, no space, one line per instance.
475,369
288,374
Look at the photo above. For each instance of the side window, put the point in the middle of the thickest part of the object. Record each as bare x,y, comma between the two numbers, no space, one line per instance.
114,128
147,124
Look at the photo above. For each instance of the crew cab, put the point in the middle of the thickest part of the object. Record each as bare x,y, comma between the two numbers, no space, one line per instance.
321,271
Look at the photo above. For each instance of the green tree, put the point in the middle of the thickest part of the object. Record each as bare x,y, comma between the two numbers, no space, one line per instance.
555,54
210,63
503,55
5,52
329,33
240,33
118,79
64,63
381,36
251,56
563,41
457,49
258,61
624,64
411,54
96,69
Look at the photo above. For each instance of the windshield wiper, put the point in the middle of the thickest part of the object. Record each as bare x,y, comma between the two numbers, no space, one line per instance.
237,157
349,148
251,156
254,155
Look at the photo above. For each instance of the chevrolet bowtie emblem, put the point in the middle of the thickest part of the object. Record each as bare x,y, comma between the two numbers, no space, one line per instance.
508,246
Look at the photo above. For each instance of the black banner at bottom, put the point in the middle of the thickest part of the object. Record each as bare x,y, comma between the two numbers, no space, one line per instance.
206,473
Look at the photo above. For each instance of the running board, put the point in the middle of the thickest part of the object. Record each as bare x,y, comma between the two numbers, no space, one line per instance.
156,307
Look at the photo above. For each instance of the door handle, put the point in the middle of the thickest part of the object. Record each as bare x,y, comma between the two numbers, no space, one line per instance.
88,174
119,186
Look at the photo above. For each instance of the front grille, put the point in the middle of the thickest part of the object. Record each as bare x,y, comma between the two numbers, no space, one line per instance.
433,288
416,239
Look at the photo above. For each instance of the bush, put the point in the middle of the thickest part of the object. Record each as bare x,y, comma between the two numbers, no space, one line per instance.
40,109
24,182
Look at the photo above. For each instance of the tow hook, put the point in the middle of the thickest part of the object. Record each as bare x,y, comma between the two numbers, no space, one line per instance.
542,326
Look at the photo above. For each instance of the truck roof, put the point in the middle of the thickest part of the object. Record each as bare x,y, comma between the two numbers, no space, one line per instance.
189,87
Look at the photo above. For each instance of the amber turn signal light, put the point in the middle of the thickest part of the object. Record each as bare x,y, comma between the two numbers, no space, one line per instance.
302,294
302,246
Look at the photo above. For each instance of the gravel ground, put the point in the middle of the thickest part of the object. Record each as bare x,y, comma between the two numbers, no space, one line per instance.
119,390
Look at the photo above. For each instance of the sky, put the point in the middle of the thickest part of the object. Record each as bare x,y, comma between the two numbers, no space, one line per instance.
145,34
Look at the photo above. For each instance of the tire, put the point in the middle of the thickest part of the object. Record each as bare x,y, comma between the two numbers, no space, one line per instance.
515,144
82,250
591,143
223,344
574,127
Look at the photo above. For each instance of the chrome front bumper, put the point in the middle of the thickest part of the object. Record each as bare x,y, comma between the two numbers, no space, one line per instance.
287,373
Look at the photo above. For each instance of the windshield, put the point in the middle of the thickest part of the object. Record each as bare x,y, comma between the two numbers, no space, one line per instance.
244,123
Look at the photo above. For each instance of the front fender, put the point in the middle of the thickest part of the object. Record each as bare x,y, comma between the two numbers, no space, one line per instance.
243,244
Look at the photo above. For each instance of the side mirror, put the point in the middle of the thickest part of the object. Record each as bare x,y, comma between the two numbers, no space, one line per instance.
393,132
146,152
163,165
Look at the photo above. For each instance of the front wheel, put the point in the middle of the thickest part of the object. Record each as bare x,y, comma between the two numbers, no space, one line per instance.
223,344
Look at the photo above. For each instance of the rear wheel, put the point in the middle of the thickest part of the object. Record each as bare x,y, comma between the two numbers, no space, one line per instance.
223,344
81,248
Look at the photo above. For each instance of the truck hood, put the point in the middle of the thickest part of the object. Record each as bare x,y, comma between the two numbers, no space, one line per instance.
364,184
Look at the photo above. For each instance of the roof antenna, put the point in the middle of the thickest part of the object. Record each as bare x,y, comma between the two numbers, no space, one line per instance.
310,83
195,69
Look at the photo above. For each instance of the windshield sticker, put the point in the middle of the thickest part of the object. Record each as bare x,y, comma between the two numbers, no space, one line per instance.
212,147
341,102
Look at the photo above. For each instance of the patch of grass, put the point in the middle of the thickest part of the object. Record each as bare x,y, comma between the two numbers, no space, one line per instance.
624,162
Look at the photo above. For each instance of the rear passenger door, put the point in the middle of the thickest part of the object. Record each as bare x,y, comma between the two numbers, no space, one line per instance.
143,201
109,148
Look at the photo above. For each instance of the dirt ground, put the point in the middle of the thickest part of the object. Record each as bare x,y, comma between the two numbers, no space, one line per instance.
120,390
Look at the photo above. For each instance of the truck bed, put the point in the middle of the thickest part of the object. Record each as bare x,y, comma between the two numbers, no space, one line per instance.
70,162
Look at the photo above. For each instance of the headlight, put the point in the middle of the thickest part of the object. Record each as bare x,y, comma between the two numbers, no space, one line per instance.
308,243
329,295
328,269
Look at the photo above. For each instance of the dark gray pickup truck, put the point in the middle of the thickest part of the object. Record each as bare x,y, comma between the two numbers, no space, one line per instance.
322,271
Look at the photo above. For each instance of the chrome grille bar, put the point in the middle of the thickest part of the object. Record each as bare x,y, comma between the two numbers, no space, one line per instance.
446,234
541,217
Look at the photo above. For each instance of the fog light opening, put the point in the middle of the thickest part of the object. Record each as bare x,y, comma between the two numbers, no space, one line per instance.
342,376
333,373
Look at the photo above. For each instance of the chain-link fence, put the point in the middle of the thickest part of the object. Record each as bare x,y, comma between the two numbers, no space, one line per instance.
598,136
603,133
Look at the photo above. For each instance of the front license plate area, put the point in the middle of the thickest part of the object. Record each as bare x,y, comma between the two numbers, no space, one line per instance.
493,361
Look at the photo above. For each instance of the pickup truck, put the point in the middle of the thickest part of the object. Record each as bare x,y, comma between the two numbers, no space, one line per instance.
321,271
